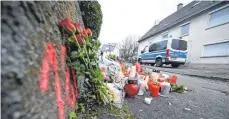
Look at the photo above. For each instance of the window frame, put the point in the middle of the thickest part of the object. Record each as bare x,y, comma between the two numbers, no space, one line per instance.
213,43
213,11
181,29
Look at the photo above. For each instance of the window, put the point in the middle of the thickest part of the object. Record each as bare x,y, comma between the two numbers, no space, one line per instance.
185,29
161,45
179,44
217,49
152,47
219,17
158,46
145,49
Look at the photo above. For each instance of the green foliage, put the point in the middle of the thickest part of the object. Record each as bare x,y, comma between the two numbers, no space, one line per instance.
178,89
82,108
83,59
76,107
85,62
121,112
92,16
72,115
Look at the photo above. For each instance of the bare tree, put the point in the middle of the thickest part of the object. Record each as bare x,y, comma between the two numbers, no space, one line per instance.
128,47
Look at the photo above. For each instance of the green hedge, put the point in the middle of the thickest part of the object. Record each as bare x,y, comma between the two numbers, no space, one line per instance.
92,16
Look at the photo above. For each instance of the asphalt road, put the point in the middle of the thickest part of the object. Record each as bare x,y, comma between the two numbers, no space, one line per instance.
208,99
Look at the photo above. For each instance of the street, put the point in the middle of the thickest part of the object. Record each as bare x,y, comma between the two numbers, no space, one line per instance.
215,72
207,100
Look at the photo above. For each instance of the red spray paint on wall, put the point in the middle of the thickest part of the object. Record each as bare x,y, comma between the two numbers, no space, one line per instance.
63,54
70,99
75,83
50,59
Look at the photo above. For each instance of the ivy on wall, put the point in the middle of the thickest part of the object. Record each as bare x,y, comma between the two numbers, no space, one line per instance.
92,16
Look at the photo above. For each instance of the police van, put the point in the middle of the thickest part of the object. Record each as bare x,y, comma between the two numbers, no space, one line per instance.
168,51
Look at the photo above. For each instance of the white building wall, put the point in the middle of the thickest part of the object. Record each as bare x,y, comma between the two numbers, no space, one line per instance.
199,34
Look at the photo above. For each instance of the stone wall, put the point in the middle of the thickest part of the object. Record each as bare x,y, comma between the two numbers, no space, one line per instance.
26,28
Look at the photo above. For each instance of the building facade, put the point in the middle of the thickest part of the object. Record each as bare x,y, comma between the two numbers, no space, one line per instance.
203,24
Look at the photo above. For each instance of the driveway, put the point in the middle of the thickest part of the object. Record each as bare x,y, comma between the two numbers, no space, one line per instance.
207,100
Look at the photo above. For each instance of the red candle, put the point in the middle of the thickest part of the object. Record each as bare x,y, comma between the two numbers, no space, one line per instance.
173,79
154,90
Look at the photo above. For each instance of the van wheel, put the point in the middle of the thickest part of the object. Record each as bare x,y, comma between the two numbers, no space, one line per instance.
175,65
158,62
152,64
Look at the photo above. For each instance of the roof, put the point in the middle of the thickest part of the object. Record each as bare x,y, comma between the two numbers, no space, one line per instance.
108,47
188,11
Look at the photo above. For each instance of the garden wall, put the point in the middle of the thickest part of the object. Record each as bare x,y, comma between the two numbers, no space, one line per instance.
26,29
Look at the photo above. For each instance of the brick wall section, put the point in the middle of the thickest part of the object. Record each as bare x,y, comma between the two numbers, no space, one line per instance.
26,29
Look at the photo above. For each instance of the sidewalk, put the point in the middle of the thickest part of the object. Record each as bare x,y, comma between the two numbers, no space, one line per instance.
215,72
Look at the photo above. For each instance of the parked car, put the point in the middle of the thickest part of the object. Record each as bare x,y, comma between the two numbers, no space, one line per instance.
168,51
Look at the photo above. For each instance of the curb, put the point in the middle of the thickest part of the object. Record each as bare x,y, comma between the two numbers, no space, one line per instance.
193,75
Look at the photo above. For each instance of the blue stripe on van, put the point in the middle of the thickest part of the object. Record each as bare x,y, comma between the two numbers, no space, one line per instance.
178,54
153,55
162,53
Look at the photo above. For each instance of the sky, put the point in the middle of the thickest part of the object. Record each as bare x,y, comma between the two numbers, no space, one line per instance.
122,18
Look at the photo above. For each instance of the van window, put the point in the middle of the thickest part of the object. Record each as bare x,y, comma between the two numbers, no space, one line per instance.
152,47
161,45
158,46
179,44
145,49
